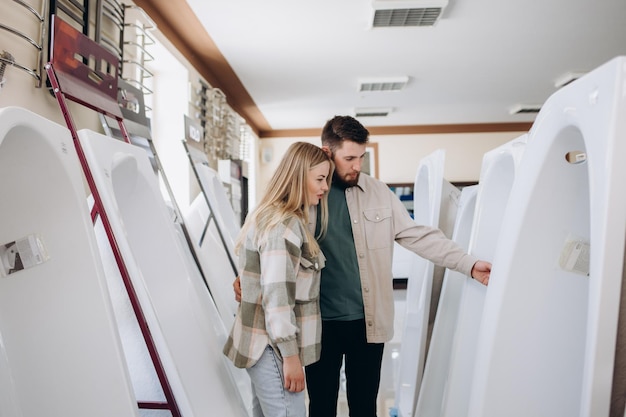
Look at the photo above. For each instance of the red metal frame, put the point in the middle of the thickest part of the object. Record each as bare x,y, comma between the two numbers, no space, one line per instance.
84,72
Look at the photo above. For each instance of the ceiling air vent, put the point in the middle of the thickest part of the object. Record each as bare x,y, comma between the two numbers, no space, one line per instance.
383,84
525,109
407,13
567,78
372,112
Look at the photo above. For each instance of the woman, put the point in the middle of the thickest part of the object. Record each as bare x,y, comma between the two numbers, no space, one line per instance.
277,329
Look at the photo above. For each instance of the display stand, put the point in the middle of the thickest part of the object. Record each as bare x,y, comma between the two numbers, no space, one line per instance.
435,205
437,367
132,104
213,229
82,71
221,211
548,340
497,177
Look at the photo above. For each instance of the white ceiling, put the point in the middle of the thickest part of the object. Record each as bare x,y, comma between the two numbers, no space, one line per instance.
302,61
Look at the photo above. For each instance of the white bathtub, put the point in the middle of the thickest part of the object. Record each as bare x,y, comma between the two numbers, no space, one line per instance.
437,365
179,310
60,352
547,342
435,204
498,171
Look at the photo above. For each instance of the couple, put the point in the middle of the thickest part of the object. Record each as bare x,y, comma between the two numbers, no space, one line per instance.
316,282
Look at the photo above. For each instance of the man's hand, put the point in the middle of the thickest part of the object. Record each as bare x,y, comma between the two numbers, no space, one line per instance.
481,272
237,289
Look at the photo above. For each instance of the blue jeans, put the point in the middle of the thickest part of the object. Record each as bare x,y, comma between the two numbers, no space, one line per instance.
270,398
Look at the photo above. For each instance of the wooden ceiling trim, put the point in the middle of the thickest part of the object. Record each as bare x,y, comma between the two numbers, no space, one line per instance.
409,130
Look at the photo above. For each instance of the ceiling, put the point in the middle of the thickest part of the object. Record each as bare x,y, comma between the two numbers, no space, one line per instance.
290,65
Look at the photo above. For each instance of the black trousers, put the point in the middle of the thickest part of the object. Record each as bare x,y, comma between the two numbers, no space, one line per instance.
362,366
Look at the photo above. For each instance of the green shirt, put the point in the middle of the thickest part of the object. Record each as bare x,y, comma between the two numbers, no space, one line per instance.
340,293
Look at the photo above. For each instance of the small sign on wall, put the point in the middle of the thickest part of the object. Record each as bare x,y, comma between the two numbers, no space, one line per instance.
193,130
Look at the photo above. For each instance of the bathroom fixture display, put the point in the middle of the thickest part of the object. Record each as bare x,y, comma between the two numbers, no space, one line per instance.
437,365
73,75
547,344
176,304
184,344
212,228
60,352
497,176
435,204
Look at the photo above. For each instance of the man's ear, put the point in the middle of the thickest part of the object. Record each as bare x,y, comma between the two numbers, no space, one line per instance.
327,151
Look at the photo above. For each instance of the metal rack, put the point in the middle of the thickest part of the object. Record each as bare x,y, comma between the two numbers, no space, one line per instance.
222,126
199,107
215,122
74,12
7,58
109,26
121,29
136,41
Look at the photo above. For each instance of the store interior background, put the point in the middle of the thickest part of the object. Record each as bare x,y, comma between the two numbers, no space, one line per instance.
175,83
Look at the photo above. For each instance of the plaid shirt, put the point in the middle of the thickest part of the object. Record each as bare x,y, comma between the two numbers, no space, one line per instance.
279,306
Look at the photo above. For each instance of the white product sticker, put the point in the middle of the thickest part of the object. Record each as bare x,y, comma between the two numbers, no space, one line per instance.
575,256
21,254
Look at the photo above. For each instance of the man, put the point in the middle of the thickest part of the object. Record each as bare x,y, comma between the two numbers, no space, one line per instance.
356,295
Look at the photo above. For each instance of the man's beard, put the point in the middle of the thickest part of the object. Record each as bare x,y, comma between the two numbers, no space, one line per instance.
343,182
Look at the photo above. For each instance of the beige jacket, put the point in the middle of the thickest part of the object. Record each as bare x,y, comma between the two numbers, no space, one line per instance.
378,219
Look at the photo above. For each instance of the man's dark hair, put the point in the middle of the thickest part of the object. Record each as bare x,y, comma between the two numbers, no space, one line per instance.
341,128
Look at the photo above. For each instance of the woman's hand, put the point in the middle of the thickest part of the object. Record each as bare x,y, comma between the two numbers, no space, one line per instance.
237,289
294,374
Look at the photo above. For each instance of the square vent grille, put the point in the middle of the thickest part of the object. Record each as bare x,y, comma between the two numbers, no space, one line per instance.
567,78
525,109
406,17
407,13
383,84
372,112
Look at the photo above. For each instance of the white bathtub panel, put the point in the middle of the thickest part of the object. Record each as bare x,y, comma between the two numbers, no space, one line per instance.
173,297
60,353
547,343
141,369
239,377
497,176
437,367
217,197
435,204
213,258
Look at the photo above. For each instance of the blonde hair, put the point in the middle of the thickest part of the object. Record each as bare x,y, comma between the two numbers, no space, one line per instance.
287,196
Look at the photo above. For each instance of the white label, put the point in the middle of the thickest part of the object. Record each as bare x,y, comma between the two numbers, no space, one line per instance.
22,254
575,257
